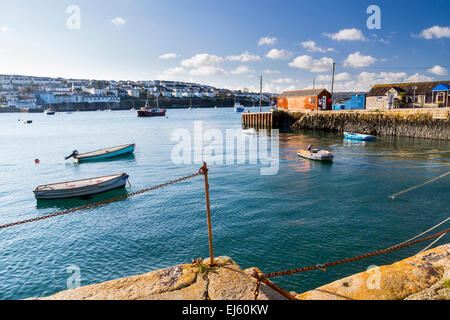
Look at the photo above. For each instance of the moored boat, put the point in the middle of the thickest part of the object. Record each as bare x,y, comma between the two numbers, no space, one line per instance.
79,188
146,111
358,136
315,154
250,131
102,153
238,107
49,112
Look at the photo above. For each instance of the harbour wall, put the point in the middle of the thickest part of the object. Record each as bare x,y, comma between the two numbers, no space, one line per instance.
416,123
423,276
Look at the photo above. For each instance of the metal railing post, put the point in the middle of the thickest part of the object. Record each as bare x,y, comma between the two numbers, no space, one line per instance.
204,171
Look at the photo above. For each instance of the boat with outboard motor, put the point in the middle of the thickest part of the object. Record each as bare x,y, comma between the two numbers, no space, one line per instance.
315,154
102,153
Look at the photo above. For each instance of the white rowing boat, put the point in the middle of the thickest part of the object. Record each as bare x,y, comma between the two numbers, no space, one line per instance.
79,188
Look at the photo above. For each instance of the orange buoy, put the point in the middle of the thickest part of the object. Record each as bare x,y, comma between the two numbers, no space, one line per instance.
36,161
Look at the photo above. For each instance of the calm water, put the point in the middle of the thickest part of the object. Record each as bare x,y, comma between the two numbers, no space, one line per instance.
309,213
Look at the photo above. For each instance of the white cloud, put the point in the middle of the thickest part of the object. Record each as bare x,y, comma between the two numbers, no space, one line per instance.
313,65
276,54
242,70
356,60
270,71
435,32
266,41
343,76
174,71
312,47
284,81
5,29
419,78
438,70
118,21
347,34
244,57
201,60
365,80
168,56
206,71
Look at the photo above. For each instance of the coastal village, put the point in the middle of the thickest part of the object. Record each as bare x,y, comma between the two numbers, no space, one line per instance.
26,93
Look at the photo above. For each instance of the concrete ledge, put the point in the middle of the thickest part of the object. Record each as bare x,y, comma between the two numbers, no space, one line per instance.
392,282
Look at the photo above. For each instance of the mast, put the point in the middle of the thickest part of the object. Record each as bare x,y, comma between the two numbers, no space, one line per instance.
260,93
332,81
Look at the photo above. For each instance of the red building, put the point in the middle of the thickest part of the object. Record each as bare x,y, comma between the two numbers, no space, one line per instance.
300,100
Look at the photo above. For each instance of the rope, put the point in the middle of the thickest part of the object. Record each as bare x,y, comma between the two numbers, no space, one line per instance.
432,243
334,263
418,186
424,232
323,267
200,172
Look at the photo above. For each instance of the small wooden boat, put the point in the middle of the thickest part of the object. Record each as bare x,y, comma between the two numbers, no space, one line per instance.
102,153
358,136
79,188
315,154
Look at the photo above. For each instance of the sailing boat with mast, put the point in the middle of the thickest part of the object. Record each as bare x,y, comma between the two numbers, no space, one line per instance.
49,111
146,111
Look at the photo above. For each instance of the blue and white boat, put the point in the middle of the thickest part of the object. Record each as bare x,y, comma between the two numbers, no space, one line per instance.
102,153
238,107
358,136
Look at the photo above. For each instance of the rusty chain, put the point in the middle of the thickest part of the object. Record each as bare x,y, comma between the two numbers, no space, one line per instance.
128,195
323,267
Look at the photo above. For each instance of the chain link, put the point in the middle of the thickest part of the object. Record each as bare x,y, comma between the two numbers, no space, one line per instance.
323,267
200,172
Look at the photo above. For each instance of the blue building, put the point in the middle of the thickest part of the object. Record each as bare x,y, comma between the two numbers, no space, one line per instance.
357,101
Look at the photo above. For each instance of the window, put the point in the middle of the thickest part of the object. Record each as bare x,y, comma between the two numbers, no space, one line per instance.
313,100
380,98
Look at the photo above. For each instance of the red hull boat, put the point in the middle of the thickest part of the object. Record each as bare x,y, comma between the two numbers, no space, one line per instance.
146,112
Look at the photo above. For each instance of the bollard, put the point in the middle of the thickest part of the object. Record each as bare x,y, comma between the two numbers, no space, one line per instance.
204,171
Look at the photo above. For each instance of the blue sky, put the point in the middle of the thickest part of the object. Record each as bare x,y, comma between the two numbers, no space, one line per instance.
228,43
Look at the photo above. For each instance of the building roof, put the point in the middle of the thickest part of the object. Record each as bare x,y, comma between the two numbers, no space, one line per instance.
442,87
302,93
421,87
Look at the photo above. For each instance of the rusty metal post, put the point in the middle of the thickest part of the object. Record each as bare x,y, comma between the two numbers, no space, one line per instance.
204,171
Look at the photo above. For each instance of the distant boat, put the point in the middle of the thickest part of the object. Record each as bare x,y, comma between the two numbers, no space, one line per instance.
102,153
250,131
79,188
358,136
146,111
315,154
238,107
49,111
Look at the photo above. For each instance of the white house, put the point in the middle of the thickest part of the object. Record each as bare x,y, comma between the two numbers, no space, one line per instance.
134,92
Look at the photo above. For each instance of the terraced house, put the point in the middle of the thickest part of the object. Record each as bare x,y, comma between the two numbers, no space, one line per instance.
408,95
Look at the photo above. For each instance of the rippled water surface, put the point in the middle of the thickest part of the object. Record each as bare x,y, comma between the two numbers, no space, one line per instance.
308,213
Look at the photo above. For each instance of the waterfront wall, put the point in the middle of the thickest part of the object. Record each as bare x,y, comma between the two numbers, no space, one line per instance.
424,276
417,123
